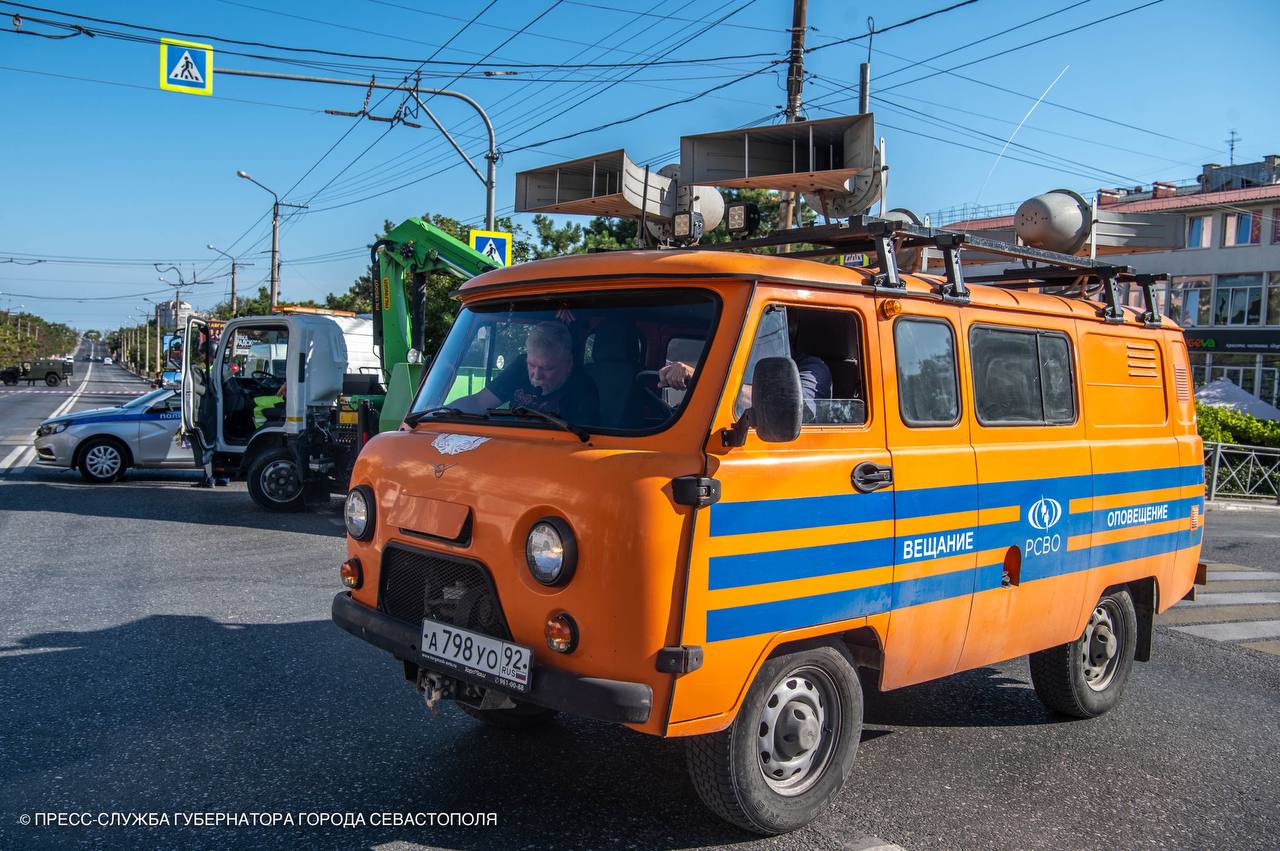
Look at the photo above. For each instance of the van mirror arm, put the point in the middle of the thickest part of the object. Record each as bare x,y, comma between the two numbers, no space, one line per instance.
736,435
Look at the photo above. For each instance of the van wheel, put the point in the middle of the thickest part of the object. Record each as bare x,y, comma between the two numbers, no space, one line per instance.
520,717
274,481
10,379
1086,677
788,752
102,460
52,380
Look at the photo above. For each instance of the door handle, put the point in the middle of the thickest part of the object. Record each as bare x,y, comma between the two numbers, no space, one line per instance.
869,476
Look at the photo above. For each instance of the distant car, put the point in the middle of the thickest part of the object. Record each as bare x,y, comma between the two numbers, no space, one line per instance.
104,442
106,360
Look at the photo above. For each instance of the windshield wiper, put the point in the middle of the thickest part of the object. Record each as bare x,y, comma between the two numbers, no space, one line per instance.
418,416
525,411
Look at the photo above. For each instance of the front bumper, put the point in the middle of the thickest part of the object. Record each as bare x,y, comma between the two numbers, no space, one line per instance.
591,697
56,450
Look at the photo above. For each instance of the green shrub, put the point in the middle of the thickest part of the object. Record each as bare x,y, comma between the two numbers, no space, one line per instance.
1223,425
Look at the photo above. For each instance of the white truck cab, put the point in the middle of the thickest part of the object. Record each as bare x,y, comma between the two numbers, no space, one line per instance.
261,392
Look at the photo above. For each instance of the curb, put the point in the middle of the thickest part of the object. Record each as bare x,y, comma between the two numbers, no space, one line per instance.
1239,505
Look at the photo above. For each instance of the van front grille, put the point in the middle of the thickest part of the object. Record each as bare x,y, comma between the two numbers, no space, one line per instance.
417,584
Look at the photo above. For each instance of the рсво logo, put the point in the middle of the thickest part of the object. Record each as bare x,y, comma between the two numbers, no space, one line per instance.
1044,513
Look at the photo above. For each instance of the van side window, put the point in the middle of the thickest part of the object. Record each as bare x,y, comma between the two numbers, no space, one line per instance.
1022,377
928,379
826,346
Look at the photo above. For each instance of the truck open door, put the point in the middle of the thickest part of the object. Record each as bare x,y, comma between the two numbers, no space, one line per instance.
196,384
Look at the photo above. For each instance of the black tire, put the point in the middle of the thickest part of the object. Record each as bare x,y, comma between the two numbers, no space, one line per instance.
10,379
52,380
267,483
102,460
728,768
1086,677
522,716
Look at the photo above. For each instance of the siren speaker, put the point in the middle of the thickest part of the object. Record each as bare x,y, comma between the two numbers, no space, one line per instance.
607,184
826,156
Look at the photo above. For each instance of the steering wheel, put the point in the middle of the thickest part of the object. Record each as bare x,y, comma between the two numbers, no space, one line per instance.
651,393
269,381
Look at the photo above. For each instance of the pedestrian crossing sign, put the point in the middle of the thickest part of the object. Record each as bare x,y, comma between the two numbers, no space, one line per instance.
494,244
186,66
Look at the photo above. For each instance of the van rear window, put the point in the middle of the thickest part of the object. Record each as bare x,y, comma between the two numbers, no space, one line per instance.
1022,377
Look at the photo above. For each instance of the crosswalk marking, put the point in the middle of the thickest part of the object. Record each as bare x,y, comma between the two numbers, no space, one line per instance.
1240,605
1238,598
1234,631
1241,575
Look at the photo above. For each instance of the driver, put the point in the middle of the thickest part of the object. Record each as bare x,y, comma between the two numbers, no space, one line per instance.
544,378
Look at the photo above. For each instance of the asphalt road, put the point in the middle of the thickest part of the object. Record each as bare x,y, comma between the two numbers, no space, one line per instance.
168,650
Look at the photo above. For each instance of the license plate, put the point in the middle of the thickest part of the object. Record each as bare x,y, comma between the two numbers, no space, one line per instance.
348,417
489,659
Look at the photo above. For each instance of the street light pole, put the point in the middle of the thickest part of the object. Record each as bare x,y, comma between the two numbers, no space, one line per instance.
275,236
234,264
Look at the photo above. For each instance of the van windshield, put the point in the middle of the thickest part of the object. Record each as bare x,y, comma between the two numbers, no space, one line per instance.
591,360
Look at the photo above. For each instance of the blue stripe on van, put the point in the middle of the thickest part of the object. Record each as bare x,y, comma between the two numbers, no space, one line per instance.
779,615
811,512
778,515
758,568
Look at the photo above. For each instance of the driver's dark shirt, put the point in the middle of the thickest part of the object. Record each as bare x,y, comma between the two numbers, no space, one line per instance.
577,400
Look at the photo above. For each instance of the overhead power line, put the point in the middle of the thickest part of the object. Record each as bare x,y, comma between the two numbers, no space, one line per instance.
378,57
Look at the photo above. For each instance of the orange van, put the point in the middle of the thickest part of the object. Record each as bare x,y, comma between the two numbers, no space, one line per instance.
699,492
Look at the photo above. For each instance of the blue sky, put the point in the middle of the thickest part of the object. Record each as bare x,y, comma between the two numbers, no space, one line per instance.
104,165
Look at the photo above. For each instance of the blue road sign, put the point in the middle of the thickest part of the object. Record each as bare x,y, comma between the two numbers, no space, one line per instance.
494,244
186,66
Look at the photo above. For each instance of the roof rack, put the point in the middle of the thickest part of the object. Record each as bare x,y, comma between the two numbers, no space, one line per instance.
1041,268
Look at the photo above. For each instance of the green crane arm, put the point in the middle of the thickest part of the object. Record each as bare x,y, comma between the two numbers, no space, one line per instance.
412,249
402,261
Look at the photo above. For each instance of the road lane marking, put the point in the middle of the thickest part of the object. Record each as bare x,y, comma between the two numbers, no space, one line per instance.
1237,598
21,457
1240,631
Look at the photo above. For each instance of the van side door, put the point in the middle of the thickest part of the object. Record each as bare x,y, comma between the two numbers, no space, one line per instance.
1034,485
791,549
934,487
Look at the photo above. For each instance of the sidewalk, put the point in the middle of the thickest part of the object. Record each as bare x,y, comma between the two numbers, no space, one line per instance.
1226,504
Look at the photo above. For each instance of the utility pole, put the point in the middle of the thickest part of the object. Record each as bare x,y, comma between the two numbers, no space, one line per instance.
795,90
275,236
234,264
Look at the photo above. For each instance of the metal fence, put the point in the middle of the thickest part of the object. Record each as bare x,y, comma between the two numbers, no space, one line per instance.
1242,472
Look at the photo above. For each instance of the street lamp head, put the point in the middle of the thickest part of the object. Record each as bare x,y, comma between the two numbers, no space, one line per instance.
210,247
243,174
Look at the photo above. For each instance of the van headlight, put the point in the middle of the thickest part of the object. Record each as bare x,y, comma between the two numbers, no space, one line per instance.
359,513
551,551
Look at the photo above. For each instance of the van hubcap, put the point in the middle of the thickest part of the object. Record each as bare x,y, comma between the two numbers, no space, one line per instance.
797,730
103,461
1100,646
280,481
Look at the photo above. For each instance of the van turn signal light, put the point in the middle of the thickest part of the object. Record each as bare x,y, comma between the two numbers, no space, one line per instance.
562,633
890,307
352,573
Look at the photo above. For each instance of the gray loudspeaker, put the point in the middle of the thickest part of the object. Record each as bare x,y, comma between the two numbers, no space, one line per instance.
607,184
824,156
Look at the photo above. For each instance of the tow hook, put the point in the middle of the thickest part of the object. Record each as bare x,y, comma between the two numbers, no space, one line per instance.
432,687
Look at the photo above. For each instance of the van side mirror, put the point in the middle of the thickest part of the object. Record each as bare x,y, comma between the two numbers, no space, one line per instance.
777,402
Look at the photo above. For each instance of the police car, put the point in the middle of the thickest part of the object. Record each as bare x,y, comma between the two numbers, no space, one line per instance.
104,442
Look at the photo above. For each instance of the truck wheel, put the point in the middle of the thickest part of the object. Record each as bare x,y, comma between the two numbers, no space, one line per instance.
1085,678
788,752
521,717
274,481
102,460
52,380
